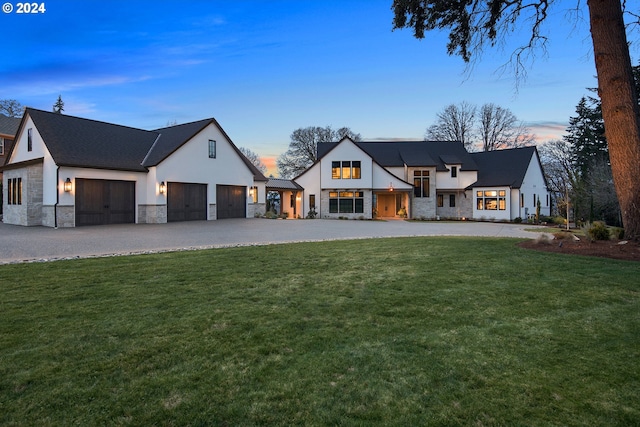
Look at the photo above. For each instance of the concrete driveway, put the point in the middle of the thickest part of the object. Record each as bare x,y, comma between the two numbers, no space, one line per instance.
24,244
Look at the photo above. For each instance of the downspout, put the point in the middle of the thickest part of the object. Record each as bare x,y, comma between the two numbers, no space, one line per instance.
55,207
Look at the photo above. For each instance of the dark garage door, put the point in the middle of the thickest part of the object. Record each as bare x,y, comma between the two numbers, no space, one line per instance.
101,201
186,202
231,201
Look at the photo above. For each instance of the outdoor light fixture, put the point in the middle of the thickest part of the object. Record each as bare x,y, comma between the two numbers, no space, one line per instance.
162,188
251,190
67,185
391,186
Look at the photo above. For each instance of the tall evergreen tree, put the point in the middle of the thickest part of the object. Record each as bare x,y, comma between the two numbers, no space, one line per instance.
58,107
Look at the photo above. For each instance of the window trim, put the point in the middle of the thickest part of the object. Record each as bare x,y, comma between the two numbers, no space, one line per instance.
212,149
491,200
422,177
355,199
346,169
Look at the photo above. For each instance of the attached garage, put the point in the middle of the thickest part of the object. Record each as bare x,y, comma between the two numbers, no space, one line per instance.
186,201
101,202
231,201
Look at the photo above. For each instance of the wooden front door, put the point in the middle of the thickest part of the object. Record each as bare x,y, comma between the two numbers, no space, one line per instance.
101,202
231,201
186,202
386,205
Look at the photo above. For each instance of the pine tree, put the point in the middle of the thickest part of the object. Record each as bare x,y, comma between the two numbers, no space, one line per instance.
58,107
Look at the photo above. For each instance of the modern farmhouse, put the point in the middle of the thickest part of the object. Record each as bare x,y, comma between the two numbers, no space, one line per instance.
418,179
66,171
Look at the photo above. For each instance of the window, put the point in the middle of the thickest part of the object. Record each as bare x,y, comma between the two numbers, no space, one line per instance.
346,170
355,169
491,200
212,149
30,139
454,171
452,200
346,202
312,201
14,196
522,200
534,199
421,183
440,200
1,146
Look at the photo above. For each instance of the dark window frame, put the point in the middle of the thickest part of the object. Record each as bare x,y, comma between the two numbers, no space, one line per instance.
212,149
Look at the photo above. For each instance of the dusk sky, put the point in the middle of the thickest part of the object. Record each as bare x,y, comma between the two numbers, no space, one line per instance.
266,68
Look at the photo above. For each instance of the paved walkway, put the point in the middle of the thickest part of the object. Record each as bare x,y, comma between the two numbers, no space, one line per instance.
22,244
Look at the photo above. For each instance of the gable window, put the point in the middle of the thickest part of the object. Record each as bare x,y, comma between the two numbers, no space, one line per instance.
14,196
1,146
346,202
421,183
212,149
29,139
452,200
491,200
454,171
346,170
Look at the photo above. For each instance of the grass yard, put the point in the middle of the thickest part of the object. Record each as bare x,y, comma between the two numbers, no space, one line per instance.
407,331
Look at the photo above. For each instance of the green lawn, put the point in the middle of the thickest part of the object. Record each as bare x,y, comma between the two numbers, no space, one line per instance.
407,331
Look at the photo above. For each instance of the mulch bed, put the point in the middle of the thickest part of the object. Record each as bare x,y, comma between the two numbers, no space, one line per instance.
629,251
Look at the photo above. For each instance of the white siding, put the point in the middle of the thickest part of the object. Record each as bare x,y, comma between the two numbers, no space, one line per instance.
346,151
191,164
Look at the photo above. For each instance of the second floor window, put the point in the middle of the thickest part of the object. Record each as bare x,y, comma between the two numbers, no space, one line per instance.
212,149
346,170
421,183
454,171
29,139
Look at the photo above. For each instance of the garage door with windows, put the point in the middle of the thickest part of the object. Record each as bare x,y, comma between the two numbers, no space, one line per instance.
186,201
231,201
101,202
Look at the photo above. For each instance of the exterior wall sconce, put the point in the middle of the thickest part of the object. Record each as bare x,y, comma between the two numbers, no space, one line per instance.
68,185
251,191
391,186
162,188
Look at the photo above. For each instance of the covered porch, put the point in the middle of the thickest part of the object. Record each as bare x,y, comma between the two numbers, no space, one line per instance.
284,197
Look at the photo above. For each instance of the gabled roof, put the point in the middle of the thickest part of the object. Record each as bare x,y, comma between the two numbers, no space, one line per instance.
503,167
9,125
436,154
77,142
171,138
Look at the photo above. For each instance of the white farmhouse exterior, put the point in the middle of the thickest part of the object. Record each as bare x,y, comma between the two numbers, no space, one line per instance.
66,171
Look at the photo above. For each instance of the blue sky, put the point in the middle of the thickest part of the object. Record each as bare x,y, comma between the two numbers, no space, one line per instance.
266,68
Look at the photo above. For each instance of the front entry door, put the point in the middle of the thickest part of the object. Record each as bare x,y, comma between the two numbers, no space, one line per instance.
386,205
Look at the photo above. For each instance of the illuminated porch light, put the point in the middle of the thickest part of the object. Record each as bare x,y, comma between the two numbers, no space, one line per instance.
67,185
162,188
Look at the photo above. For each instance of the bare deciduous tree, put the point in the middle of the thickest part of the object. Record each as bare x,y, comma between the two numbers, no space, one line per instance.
499,128
253,158
11,108
302,151
454,123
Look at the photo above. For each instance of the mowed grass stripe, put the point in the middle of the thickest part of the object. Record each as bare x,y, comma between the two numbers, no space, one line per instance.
406,331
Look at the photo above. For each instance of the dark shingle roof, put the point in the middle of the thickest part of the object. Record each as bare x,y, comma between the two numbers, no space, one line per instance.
171,138
412,153
73,141
78,142
502,167
9,125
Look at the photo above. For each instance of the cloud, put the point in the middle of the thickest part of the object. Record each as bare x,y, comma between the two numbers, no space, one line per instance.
547,130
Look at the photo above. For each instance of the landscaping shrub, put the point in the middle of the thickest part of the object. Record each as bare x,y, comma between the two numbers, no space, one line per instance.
618,232
517,220
270,215
597,230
